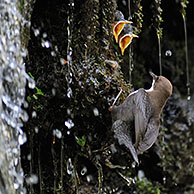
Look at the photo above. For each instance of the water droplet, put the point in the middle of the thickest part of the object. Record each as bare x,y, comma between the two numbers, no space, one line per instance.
12,65
44,35
16,185
69,124
89,178
29,157
57,133
24,52
16,161
168,53
89,37
133,165
53,53
159,9
96,112
124,2
69,166
47,44
188,98
34,114
56,48
33,179
36,129
83,171
36,32
20,177
164,180
69,92
62,61
25,104
23,191
22,138
24,116
69,111
68,132
6,99
53,91
12,48
16,31
31,83
69,56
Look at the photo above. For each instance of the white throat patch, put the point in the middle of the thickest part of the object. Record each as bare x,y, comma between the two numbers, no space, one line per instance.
152,88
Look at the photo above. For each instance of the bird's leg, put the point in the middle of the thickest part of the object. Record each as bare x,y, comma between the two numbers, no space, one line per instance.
118,95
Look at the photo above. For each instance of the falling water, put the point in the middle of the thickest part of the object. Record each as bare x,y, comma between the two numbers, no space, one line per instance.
68,78
187,60
159,55
130,64
12,93
69,47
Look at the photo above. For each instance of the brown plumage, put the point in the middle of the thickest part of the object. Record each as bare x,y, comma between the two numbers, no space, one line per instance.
140,115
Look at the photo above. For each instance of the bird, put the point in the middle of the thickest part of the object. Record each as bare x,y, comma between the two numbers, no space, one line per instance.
136,121
122,31
118,27
125,41
119,24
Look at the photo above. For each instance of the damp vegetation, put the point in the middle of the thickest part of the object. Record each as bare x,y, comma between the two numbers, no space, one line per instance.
63,70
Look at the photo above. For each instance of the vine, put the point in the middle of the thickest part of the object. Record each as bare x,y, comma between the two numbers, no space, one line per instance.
137,16
183,4
157,20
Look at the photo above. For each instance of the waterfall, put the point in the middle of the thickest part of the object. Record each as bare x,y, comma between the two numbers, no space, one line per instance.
12,93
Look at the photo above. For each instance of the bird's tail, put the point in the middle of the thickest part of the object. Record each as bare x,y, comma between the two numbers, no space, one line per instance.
121,133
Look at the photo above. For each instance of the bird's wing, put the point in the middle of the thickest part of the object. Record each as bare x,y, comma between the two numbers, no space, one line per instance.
150,135
142,113
122,134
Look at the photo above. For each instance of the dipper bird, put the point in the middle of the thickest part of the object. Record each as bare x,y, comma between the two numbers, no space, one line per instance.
122,31
139,116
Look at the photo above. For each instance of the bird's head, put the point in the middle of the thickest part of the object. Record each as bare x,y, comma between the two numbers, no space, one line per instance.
118,27
161,84
125,41
119,15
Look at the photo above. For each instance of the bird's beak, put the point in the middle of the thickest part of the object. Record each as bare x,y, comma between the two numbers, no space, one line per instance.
135,36
155,77
125,41
118,27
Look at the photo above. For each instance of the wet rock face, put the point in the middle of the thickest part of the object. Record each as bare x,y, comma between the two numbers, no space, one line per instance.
72,110
177,138
92,33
